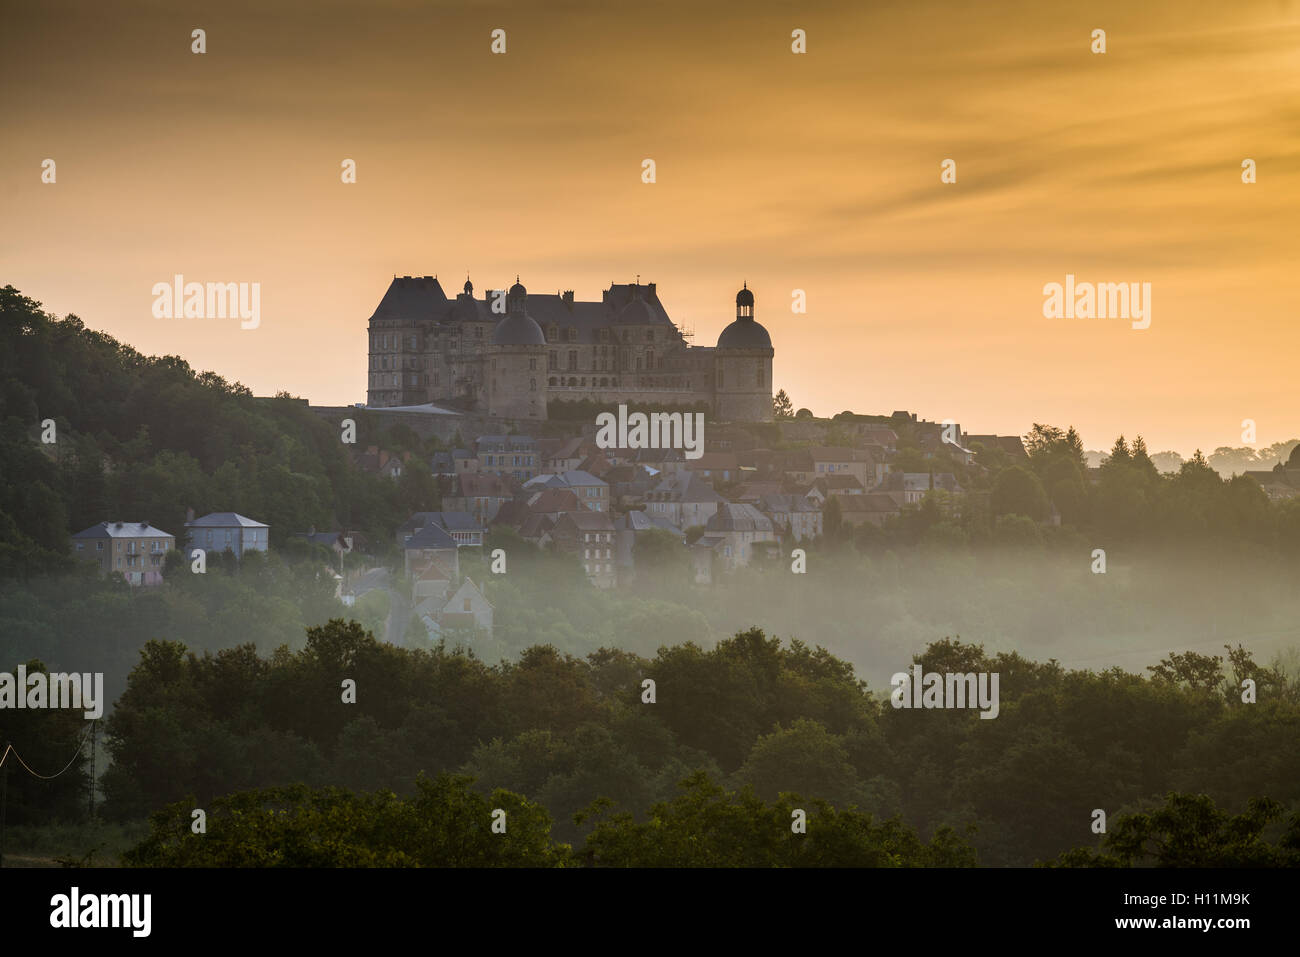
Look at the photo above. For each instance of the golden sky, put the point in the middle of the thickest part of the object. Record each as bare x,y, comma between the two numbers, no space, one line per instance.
818,172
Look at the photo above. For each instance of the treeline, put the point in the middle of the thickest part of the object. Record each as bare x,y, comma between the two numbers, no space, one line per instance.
144,438
751,712
1053,499
446,823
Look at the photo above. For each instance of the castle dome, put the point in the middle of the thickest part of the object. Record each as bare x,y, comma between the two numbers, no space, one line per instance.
518,329
744,334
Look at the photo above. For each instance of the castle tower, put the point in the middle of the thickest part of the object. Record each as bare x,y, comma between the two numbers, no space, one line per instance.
516,386
743,367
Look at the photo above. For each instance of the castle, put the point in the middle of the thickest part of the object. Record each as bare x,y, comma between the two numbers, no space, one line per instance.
514,354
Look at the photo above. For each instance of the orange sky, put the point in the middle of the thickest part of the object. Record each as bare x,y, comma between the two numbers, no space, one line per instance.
816,171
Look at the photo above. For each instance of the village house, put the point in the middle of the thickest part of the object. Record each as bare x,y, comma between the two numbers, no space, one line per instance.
592,492
874,508
508,455
1282,481
136,549
684,500
464,528
590,536
715,467
835,461
480,495
427,544
732,538
227,531
914,485
793,516
377,461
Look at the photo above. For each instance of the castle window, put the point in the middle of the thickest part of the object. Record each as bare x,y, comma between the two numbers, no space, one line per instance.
532,367
552,361
649,335
551,332
532,387
573,360
604,335
478,332
551,382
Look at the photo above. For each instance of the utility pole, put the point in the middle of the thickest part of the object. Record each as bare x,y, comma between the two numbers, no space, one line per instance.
4,798
93,756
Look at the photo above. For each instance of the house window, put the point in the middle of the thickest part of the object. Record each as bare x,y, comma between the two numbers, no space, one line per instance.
99,546
80,546
466,604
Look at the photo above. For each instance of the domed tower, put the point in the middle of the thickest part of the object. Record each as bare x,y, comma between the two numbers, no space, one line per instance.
742,363
516,362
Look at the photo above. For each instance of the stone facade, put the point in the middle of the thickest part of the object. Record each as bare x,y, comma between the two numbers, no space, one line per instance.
512,353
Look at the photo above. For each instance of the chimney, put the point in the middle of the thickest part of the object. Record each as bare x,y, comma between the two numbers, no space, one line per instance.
189,515
567,296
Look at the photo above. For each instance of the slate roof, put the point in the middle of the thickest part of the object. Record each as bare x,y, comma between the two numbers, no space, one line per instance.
224,520
423,299
431,536
122,530
738,518
685,487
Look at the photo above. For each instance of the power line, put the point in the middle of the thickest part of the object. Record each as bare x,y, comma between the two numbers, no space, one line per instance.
46,777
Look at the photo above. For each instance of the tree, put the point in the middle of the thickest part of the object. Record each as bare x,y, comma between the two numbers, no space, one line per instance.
1017,491
804,414
782,408
803,758
1119,455
445,824
1191,831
